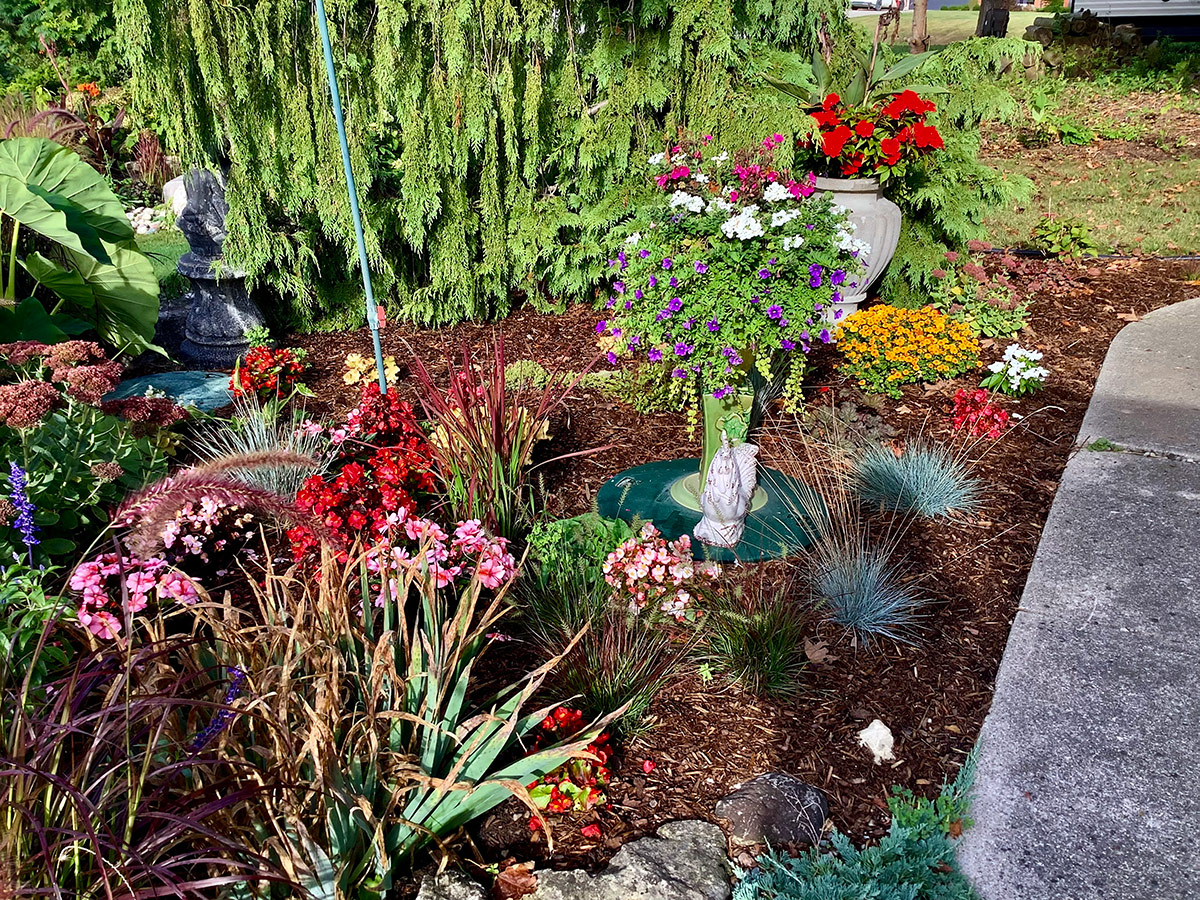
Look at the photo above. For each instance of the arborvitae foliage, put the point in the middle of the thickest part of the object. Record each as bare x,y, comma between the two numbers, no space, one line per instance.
490,137
944,205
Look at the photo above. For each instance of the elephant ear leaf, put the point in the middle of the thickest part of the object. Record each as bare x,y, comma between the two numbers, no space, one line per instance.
119,298
52,191
29,321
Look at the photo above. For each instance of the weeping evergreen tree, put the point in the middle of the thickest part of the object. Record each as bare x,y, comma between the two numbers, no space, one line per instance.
494,140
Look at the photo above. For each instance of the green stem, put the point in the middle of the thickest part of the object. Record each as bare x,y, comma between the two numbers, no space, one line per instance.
10,289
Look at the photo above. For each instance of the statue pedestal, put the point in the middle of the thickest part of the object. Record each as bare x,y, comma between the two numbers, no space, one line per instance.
775,527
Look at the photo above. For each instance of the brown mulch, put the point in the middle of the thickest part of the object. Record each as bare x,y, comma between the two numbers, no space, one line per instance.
710,737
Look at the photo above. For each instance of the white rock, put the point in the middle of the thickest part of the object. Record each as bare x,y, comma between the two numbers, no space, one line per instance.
877,738
175,194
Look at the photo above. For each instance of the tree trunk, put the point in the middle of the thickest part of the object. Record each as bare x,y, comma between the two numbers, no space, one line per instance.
919,42
993,19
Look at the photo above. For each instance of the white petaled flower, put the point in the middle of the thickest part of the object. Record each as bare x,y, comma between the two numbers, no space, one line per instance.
791,243
781,217
657,159
634,238
721,157
743,226
690,202
776,192
701,177
718,203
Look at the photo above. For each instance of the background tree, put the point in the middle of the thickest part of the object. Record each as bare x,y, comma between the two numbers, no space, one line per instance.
919,41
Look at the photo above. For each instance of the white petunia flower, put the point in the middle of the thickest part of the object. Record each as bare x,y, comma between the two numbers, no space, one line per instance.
657,159
776,192
690,202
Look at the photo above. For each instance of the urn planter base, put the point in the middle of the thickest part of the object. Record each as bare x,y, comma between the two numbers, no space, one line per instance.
775,527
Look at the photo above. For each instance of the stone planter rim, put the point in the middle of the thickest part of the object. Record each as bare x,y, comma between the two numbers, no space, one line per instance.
847,185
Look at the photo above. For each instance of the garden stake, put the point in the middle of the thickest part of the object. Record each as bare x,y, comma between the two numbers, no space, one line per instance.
372,312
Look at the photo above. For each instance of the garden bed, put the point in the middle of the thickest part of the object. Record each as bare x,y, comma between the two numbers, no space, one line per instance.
711,736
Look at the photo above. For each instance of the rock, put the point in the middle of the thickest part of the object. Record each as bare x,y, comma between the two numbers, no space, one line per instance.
775,808
175,195
450,885
877,738
685,861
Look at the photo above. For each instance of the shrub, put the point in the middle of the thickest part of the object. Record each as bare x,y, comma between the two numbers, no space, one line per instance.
1063,236
758,640
967,293
583,541
886,347
926,479
914,859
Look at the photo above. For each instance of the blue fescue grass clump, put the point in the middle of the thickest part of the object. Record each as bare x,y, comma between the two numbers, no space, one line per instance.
864,591
914,860
926,479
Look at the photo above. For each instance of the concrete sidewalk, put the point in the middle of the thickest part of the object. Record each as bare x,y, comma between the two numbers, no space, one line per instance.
1088,785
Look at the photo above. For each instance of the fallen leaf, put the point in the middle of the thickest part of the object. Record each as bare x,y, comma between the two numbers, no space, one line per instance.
955,828
590,831
649,765
515,881
1130,316
816,651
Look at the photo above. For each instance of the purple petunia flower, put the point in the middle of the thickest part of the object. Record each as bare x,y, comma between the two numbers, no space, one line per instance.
653,282
635,340
629,304
721,392
610,303
601,326
682,349
619,287
666,263
675,305
611,357
838,276
814,275
837,314
836,297
701,268
674,282
774,312
804,336
825,338
655,355
714,325
764,273
616,332
643,253
611,263
787,344
679,373
638,293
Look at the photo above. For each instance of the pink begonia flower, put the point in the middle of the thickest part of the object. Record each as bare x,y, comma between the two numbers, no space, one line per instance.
338,436
491,572
136,603
140,583
311,428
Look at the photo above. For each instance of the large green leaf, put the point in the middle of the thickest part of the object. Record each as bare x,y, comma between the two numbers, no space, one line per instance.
120,299
51,190
29,321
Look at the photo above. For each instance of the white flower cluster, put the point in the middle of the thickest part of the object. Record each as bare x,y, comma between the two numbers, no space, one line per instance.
781,217
701,177
1020,368
634,238
743,226
791,243
718,203
657,159
849,243
690,202
775,192
721,157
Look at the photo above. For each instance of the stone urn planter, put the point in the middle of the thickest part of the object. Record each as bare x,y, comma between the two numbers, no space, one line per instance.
876,220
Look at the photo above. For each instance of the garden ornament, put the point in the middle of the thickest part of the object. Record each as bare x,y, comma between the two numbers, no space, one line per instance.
732,478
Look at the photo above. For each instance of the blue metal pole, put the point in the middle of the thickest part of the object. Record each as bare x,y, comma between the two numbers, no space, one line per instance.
372,312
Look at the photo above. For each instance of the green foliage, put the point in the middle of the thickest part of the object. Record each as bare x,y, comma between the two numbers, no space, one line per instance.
494,142
94,266
81,31
759,641
582,542
914,860
945,202
926,479
965,291
1063,236
25,611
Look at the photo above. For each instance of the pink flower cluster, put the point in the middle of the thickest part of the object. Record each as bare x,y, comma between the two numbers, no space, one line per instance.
651,570
99,580
470,552
208,527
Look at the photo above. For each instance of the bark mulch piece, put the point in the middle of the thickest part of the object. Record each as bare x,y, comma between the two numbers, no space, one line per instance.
710,737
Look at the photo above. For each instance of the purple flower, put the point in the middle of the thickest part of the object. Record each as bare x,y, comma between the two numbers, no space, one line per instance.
610,303
225,715
701,268
811,227
675,305
624,261
666,263
837,314
787,345
635,340
682,349
18,494
836,297
714,325
611,357
814,275
643,253
679,373
674,282
764,273
804,336
735,360
721,392
655,355
611,263
825,338
838,276
638,293
601,326
653,282
619,287
629,304
616,332
662,314
783,323
774,312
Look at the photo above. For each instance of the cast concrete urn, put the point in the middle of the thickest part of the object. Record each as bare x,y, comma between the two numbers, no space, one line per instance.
876,222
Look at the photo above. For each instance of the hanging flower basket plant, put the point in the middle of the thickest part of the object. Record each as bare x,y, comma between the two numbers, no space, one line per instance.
729,272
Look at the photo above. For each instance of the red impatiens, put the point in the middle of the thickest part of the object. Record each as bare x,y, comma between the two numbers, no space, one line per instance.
873,142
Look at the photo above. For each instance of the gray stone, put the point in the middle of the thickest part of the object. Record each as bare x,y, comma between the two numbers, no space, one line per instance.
450,885
775,808
685,861
1148,394
175,195
1088,787
220,310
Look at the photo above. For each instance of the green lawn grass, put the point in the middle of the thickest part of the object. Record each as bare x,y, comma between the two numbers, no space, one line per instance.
164,249
1131,203
949,25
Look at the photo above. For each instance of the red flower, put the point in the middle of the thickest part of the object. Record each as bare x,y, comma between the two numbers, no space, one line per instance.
590,831
864,128
926,136
649,765
831,100
833,142
890,148
826,119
